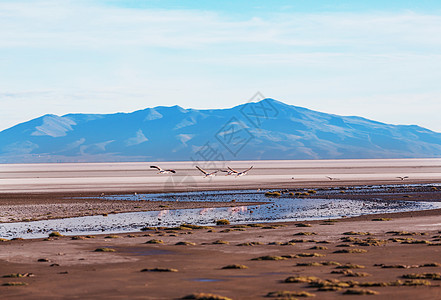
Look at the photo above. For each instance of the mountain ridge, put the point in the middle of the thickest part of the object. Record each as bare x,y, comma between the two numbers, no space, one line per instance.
268,129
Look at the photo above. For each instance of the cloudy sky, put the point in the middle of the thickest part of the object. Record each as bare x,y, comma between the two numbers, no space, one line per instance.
376,59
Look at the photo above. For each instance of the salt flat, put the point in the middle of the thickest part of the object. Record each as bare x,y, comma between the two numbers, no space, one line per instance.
137,176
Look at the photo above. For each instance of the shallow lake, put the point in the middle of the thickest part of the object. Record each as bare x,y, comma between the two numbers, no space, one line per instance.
280,209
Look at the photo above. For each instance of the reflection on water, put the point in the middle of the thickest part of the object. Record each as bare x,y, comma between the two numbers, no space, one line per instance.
271,210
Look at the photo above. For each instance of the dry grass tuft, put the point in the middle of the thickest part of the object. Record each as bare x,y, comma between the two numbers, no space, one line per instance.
105,250
206,296
222,222
359,292
154,241
269,257
184,243
288,294
159,270
350,251
235,266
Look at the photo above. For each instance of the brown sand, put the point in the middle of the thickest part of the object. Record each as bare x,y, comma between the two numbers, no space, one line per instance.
75,271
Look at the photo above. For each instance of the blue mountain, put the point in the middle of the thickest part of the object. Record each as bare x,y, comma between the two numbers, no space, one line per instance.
267,129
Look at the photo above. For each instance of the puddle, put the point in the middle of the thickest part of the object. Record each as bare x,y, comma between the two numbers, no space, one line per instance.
206,279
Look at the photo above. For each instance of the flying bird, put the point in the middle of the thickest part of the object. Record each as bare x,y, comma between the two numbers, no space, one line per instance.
402,177
240,173
229,171
162,171
331,178
206,173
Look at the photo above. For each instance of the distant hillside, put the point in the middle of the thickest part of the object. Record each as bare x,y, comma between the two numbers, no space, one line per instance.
268,129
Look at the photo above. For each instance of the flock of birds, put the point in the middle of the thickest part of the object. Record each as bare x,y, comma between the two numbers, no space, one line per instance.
229,171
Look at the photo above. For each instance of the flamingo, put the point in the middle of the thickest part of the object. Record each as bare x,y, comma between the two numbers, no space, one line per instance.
206,173
403,177
331,178
162,171
240,173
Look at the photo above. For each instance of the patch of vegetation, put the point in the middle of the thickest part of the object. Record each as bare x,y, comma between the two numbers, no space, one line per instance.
235,266
154,241
359,292
14,283
255,225
436,276
303,225
185,244
310,264
159,270
273,194
417,242
309,255
205,296
381,219
350,266
356,233
3,240
112,237
406,233
269,257
250,244
305,233
318,248
55,234
288,294
191,226
350,251
222,222
298,279
18,275
105,250
434,264
323,242
221,242
301,241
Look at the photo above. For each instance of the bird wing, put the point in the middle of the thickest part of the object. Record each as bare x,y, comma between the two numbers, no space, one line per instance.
247,169
156,167
232,170
201,170
214,172
171,170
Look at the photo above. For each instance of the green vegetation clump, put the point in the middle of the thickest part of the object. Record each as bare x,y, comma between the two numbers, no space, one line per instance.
222,222
417,242
235,266
112,237
382,219
303,225
154,241
205,296
191,226
104,250
288,294
310,264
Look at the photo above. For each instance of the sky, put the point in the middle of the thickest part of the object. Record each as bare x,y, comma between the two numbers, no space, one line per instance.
377,59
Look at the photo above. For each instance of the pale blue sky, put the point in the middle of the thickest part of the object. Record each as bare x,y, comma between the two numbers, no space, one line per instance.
376,59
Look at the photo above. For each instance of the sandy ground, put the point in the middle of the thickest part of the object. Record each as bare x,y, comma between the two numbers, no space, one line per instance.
73,270
138,177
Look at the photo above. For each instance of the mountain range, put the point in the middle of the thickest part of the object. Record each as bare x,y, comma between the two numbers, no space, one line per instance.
267,129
